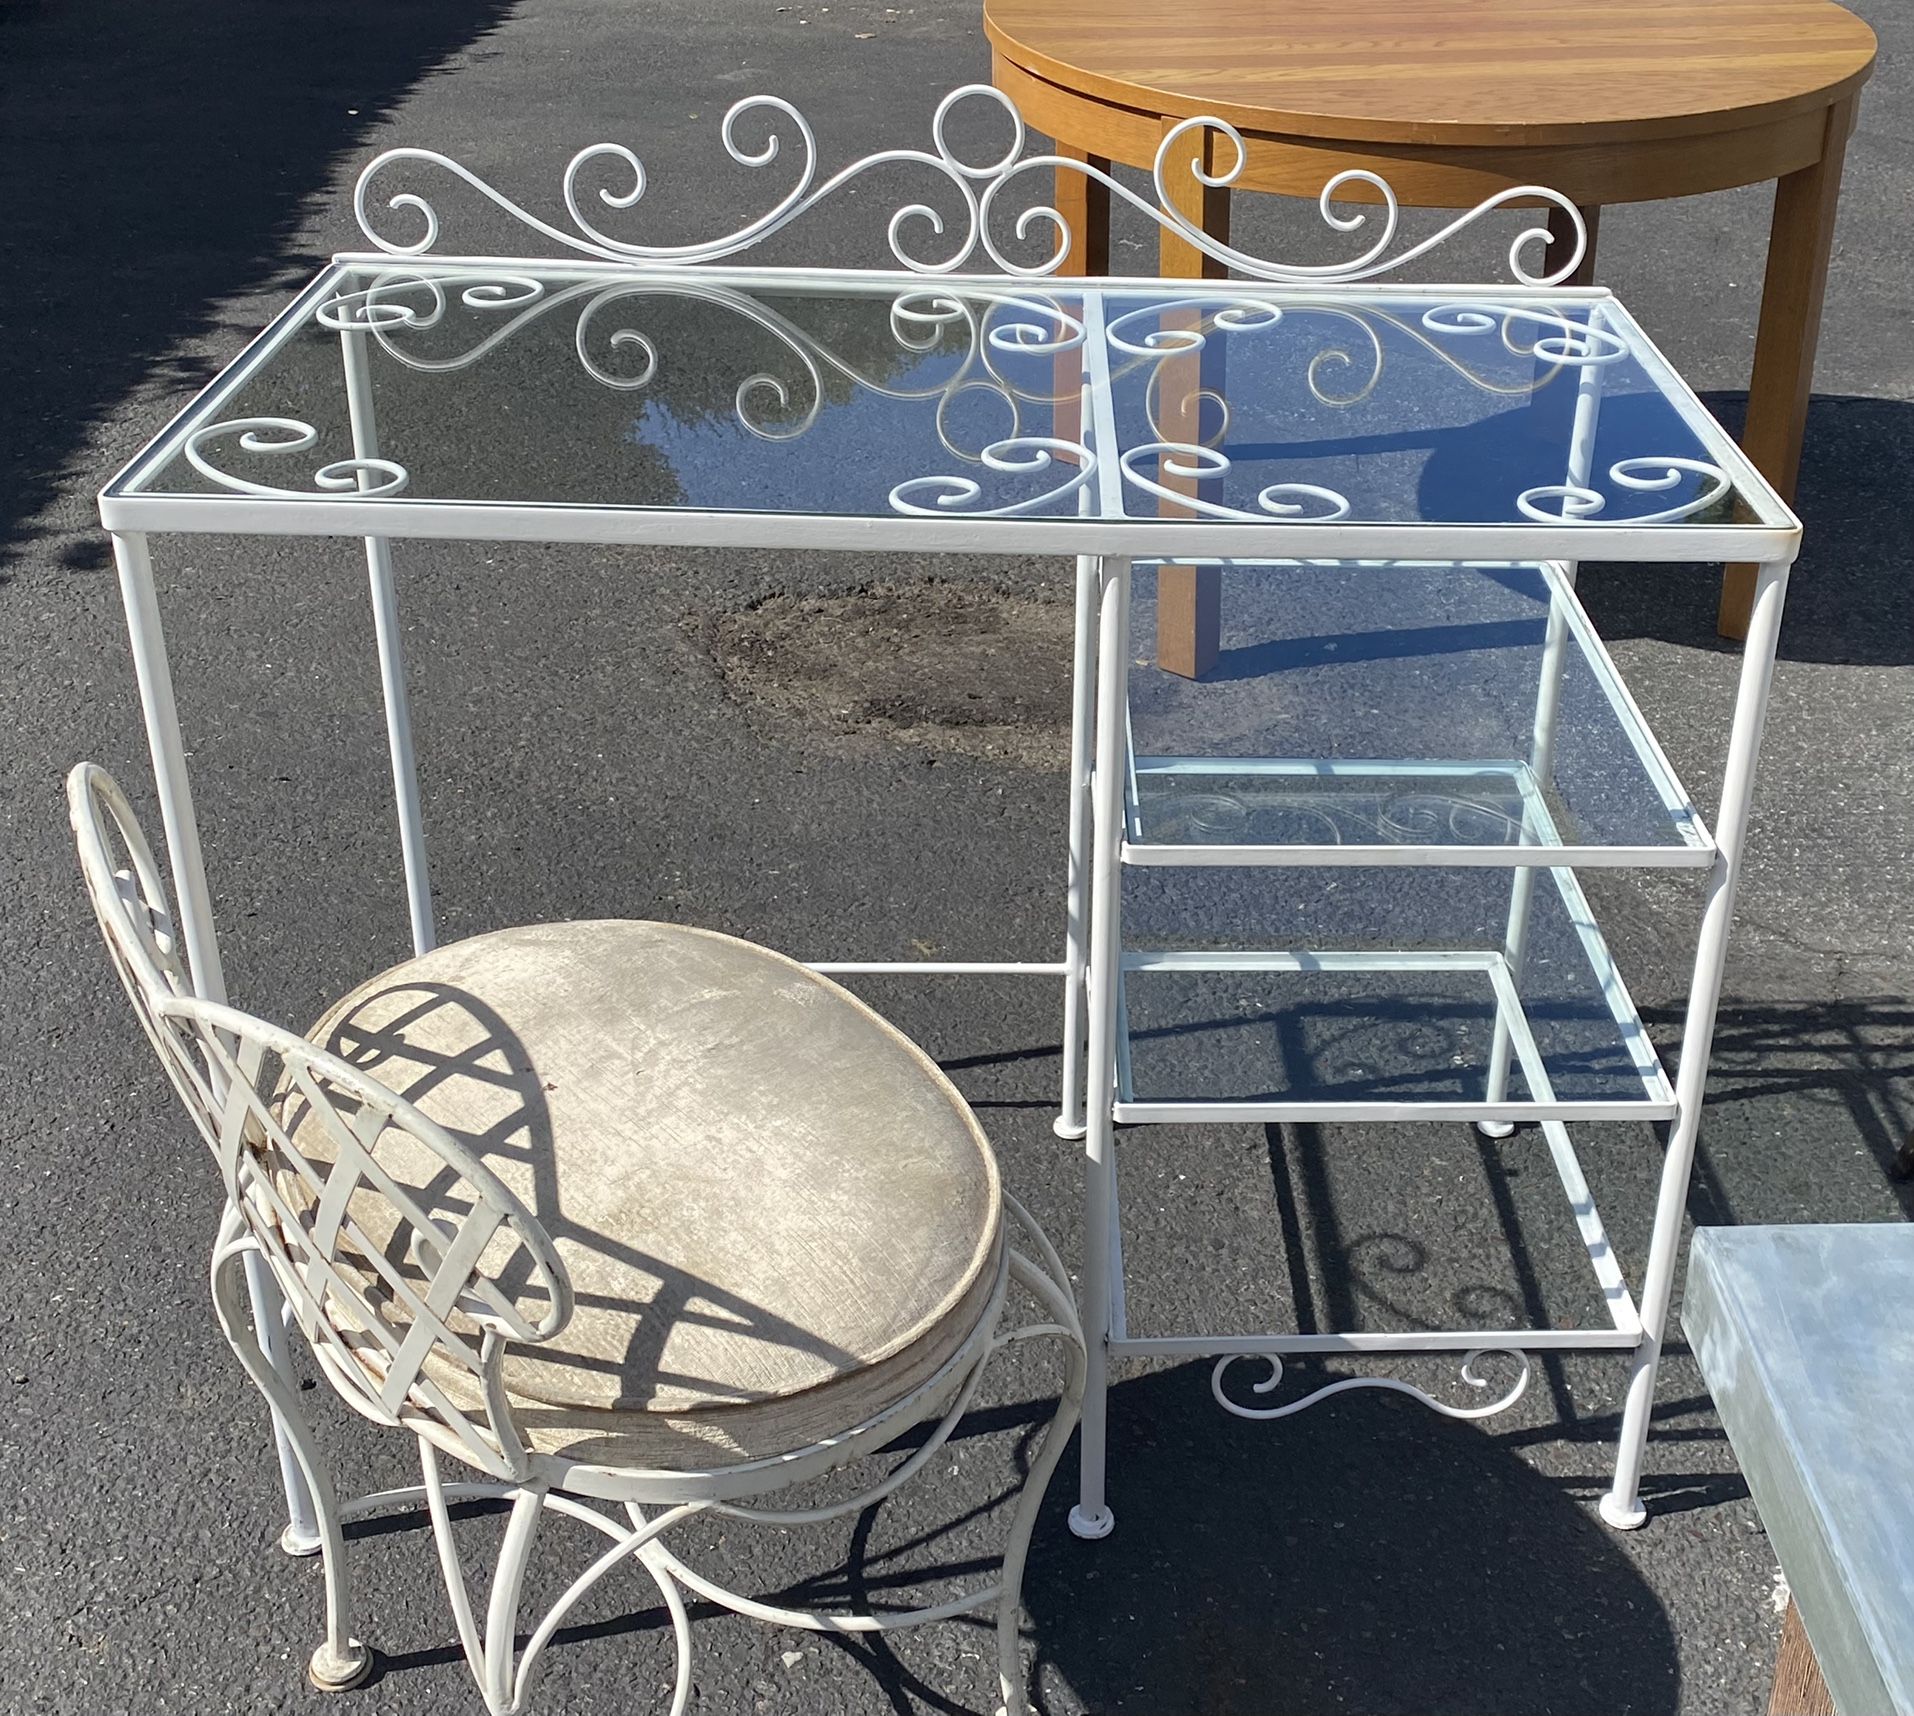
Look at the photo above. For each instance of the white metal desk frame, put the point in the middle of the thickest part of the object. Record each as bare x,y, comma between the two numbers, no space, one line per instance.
354,501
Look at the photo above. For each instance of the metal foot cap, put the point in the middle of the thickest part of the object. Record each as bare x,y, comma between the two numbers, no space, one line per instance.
1623,1515
1495,1128
339,1671
1092,1525
299,1544
1066,1129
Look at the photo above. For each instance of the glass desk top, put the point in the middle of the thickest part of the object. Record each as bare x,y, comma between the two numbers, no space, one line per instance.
613,403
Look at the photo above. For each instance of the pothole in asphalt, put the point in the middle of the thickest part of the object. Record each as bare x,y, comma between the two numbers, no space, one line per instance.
950,667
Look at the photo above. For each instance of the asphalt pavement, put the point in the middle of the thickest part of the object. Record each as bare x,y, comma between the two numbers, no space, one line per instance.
587,748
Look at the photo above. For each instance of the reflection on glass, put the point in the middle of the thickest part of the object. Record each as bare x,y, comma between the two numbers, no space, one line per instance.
881,396
1396,705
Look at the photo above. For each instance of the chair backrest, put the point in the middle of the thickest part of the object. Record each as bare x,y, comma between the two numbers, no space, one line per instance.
408,1264
129,899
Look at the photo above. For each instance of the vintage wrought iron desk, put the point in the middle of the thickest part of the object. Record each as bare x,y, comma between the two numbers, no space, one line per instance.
1411,471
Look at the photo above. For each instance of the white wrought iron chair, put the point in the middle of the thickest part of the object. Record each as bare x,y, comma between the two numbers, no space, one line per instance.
458,1266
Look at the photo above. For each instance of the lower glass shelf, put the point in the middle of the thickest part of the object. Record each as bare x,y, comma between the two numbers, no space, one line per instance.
1300,1034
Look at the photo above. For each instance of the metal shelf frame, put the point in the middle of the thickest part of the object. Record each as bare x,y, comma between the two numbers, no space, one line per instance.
355,498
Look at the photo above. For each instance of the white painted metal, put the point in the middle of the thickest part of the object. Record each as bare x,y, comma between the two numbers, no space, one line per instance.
154,674
976,186
1070,1103
391,647
1622,1505
409,1312
1411,1111
1470,1375
1091,1517
1163,538
1378,856
943,967
1408,1342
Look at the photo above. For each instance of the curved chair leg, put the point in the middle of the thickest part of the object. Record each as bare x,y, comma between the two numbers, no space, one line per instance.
492,1656
341,1662
503,1672
1045,1280
1012,1679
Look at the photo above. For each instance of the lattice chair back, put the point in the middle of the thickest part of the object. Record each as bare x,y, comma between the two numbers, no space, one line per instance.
407,1263
136,918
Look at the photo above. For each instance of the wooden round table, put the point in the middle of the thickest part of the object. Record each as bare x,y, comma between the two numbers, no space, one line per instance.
1451,102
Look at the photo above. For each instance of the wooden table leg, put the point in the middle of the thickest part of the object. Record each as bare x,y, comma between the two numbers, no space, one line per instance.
1798,246
1561,241
1189,599
1799,1689
1084,203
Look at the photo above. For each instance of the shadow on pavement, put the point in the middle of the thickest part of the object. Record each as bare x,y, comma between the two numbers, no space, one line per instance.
1362,1555
159,159
1854,1055
1850,600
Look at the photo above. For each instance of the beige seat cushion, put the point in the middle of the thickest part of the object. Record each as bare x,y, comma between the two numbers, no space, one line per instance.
778,1215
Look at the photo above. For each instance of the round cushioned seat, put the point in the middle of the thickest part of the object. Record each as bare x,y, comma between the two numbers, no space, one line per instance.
778,1215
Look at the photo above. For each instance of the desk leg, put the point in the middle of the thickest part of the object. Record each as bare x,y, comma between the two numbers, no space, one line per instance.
1798,245
1084,203
1189,599
194,905
1083,677
1091,1517
385,629
1622,1507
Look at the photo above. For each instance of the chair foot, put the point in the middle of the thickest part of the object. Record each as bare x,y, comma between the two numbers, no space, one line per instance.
1092,1525
1075,1132
1627,1515
340,1671
1495,1128
300,1544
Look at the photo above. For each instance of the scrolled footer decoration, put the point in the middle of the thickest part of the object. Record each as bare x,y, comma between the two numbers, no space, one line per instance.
1470,1375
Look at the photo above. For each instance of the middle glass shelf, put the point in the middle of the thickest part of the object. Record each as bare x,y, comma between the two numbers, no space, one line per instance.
1458,727
1395,715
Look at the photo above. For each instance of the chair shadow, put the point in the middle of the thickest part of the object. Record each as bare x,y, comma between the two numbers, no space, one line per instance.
1853,1056
400,1036
1363,1555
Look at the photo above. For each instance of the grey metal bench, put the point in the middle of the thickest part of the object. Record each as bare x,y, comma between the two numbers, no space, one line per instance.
1805,1339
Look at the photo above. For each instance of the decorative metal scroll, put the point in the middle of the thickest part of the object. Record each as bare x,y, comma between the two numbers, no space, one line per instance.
986,326
976,187
1015,469
1470,1375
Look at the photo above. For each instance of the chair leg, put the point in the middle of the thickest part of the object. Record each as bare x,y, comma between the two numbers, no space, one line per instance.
1013,1681
341,1662
492,1656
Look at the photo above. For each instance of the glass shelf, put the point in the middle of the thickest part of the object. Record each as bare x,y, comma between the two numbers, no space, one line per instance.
1373,1004
479,399
1309,742
1231,401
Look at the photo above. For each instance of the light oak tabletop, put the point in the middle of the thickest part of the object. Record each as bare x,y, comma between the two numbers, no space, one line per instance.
1514,72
